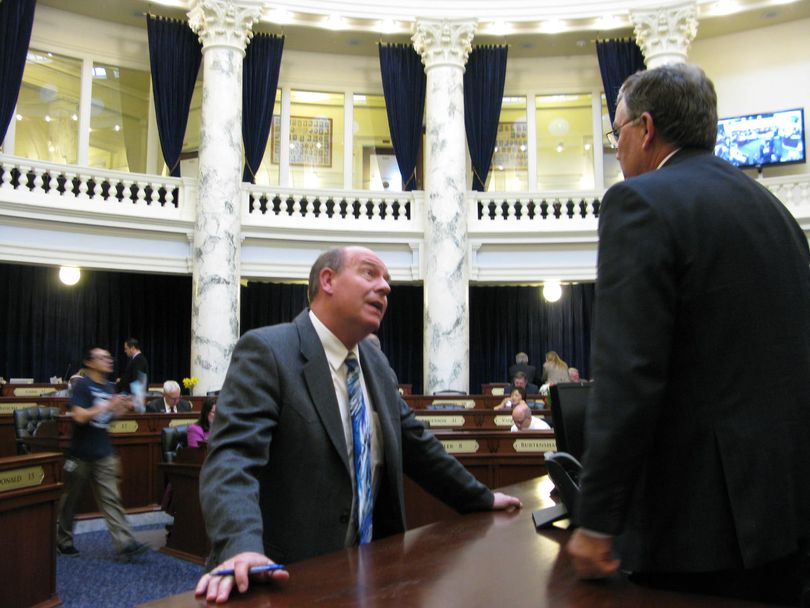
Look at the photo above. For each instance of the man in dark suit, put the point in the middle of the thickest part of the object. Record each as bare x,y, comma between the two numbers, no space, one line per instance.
522,365
288,474
170,402
521,381
697,467
136,366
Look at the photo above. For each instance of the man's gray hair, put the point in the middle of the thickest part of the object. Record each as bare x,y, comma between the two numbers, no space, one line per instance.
681,100
521,358
334,259
170,386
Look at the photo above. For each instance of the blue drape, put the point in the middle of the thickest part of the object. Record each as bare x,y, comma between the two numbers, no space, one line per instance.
483,94
16,19
404,88
174,55
259,83
617,60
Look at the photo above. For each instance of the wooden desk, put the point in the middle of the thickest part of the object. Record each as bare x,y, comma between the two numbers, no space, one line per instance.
29,390
30,487
187,539
467,420
479,559
469,402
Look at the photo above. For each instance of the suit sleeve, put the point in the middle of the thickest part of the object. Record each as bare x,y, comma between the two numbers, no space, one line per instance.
634,316
427,462
247,414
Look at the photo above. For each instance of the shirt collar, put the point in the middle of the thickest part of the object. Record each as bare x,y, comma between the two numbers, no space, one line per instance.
667,157
335,350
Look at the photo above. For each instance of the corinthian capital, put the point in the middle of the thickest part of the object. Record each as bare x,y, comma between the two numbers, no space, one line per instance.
444,41
664,34
223,22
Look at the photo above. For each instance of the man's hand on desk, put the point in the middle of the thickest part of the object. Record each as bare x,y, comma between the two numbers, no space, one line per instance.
218,588
592,555
504,501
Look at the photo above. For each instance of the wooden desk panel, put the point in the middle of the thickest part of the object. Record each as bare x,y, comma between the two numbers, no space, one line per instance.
471,420
187,539
479,559
470,402
30,487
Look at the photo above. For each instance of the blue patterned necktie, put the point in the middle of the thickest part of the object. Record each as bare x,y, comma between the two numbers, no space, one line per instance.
361,435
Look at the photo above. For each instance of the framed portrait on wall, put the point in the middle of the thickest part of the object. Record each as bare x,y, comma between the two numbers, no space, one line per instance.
511,146
310,141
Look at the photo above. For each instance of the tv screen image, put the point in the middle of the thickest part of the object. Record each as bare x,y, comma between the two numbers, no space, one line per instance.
757,140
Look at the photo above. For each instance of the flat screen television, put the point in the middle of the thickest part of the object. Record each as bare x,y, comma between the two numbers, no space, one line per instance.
760,140
569,400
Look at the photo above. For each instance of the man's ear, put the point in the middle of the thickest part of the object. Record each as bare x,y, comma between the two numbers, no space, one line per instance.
646,121
326,279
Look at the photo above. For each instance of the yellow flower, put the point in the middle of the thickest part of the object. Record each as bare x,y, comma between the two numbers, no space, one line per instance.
189,382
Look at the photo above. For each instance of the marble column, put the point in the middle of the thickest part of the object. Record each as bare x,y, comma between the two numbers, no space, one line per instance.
664,34
444,46
224,28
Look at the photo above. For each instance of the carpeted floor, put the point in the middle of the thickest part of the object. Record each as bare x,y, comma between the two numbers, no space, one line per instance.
96,580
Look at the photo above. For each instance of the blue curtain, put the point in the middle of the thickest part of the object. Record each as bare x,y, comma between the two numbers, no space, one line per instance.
174,55
404,88
618,59
259,83
16,19
483,94
505,320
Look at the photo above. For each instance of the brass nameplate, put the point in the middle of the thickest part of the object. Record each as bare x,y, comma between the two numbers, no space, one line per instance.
8,408
504,420
442,420
180,422
32,391
460,446
535,445
467,404
497,391
123,426
21,478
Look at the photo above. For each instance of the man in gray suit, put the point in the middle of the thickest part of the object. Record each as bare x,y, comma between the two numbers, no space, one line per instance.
280,480
695,464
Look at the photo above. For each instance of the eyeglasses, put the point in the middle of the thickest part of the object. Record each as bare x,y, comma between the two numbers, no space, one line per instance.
613,134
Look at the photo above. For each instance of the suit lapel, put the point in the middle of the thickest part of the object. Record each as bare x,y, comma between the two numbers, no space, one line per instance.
318,379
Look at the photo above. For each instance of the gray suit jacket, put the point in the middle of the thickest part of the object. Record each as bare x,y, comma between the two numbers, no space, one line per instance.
276,479
696,459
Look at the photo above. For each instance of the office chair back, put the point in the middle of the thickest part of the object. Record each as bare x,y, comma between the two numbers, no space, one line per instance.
172,440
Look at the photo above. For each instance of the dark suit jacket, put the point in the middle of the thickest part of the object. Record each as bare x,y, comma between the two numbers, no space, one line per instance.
531,389
135,365
158,406
698,462
276,479
529,370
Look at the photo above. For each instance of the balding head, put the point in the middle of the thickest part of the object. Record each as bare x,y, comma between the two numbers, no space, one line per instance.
522,416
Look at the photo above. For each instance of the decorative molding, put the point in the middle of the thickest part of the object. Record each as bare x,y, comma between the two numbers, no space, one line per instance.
664,34
444,41
223,23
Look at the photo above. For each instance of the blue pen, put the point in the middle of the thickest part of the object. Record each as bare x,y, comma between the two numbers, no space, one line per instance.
253,570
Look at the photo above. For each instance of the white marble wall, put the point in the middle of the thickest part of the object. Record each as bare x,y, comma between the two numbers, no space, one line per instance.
444,47
224,29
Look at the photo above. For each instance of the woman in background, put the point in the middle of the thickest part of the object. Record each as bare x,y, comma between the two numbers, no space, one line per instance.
200,430
555,370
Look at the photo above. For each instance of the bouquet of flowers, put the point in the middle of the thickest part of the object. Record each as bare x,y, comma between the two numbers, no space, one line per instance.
190,383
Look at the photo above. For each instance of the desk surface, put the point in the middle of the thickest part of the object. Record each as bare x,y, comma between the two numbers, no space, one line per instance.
479,559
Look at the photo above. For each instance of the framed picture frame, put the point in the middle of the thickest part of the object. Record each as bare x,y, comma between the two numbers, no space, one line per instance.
310,141
511,146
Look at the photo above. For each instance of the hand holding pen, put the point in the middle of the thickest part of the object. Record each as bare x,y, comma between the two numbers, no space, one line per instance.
239,571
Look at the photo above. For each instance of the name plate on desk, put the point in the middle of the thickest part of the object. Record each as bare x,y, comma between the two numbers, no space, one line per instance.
467,404
460,446
535,445
123,426
442,420
32,391
8,408
21,478
180,422
504,420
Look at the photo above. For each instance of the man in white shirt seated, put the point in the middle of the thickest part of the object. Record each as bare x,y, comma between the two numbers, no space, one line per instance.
524,421
170,403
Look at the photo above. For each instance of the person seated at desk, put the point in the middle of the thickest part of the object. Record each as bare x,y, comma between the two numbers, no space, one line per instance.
573,375
517,396
200,430
524,421
521,381
170,403
522,365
